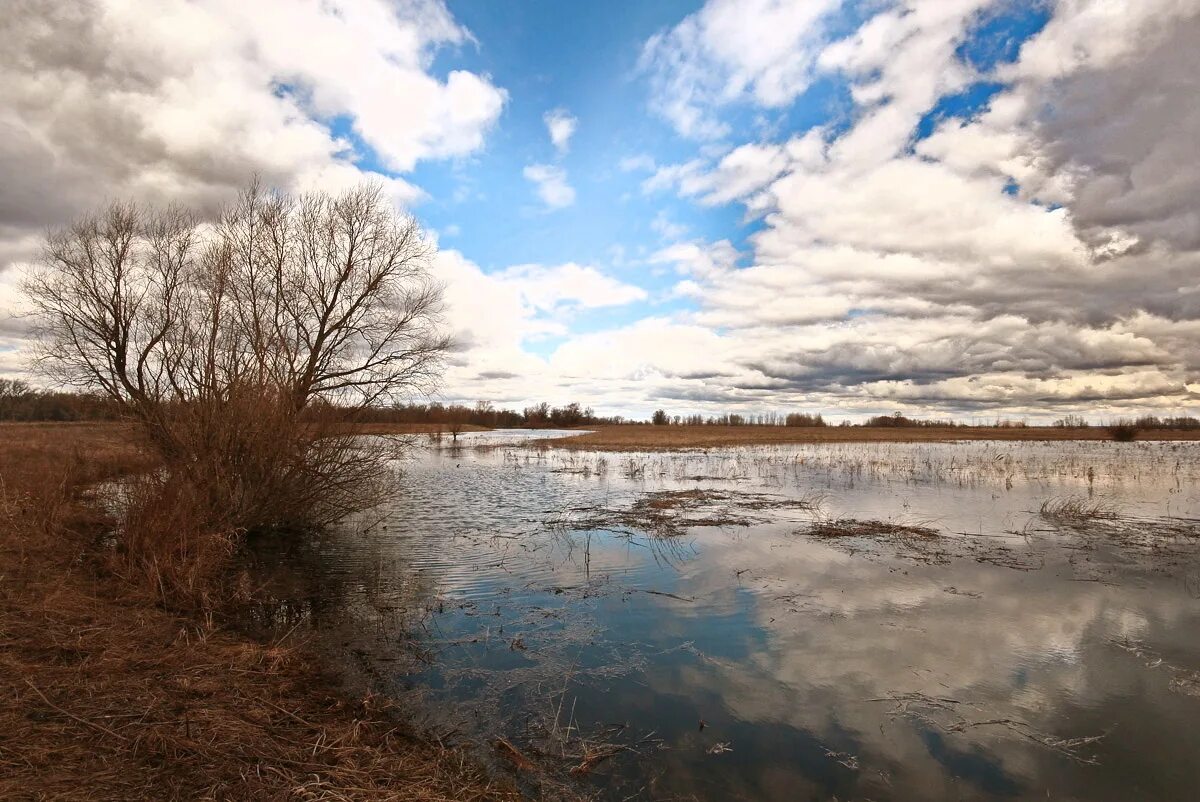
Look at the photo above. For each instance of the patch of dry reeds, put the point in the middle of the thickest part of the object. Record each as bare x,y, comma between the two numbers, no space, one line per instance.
1072,510
853,527
168,544
670,513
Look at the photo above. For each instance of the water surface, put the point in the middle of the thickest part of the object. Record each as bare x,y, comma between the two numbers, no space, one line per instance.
506,591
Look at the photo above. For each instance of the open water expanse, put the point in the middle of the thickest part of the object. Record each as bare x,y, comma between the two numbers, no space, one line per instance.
878,621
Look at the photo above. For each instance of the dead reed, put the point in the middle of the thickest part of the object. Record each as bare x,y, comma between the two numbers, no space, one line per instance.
852,527
1073,509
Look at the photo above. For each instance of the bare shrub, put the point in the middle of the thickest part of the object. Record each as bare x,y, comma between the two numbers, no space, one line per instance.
456,421
241,347
1123,432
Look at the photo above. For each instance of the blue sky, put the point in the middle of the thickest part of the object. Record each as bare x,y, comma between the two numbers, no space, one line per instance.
979,208
584,58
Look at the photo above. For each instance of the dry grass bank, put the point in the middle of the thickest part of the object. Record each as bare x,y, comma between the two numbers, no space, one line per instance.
107,696
644,438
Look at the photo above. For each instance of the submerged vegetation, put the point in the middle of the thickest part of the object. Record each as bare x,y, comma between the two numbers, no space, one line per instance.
670,513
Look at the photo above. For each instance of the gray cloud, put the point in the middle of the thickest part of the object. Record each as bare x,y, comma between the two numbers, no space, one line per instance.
1128,135
956,348
185,103
71,134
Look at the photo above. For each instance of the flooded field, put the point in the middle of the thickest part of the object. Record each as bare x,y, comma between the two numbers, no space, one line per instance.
861,621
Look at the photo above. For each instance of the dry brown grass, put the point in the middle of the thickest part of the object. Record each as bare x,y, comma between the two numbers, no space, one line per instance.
32,454
108,696
656,438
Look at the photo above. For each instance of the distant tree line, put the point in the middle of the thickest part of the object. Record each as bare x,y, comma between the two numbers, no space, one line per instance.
1126,429
482,413
1182,422
21,402
661,418
898,420
1153,422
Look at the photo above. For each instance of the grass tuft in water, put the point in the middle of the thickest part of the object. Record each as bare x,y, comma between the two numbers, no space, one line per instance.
1072,509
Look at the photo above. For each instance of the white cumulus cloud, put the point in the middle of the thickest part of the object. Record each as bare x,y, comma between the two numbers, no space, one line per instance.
102,98
550,183
561,126
733,50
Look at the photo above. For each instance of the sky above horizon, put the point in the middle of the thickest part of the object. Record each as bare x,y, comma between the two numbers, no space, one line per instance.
973,208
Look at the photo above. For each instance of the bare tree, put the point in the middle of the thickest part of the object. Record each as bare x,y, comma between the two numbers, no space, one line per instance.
456,421
13,393
240,343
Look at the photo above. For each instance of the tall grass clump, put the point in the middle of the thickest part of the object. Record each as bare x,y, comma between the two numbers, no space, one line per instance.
1075,510
239,347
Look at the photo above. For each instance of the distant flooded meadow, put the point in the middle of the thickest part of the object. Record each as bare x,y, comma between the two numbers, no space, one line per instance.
861,620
